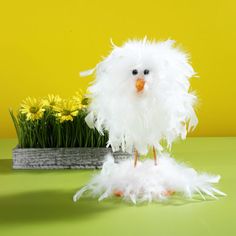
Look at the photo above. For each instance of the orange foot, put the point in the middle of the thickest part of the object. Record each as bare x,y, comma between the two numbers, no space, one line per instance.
118,193
168,193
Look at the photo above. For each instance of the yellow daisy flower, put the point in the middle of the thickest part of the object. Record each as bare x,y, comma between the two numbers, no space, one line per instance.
80,99
33,108
66,110
51,100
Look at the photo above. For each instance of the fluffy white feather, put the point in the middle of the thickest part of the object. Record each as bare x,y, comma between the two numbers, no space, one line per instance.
138,116
163,110
148,182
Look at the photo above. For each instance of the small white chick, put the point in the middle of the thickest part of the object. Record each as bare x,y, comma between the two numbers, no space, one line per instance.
141,96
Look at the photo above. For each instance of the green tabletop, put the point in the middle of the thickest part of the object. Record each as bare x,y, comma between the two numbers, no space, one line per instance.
37,202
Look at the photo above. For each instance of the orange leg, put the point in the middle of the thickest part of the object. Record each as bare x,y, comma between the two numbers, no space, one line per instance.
135,157
119,193
154,156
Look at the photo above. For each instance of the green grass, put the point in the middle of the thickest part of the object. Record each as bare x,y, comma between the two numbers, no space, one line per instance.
48,132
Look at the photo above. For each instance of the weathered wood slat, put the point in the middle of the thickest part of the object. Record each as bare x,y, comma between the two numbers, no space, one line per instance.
63,158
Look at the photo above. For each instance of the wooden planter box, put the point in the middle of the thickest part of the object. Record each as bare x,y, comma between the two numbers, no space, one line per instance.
62,158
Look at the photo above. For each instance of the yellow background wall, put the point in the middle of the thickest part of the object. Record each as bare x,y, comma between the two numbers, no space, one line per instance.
44,44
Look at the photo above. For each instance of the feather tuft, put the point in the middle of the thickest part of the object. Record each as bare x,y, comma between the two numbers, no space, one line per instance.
148,182
164,110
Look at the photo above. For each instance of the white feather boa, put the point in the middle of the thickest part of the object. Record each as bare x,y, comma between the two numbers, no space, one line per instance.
163,111
147,182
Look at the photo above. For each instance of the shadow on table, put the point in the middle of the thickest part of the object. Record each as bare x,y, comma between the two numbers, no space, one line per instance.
46,206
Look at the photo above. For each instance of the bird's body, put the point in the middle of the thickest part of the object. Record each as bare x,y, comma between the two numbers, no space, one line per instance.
141,96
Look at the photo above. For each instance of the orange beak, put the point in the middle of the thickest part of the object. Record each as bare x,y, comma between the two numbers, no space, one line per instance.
140,82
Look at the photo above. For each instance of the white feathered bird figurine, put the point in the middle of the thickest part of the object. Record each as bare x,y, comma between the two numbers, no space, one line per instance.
141,96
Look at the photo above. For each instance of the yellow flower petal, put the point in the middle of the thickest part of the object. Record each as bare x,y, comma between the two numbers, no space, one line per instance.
33,108
66,110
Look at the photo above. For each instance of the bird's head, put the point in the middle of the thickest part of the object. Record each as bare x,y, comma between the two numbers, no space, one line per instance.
131,69
143,69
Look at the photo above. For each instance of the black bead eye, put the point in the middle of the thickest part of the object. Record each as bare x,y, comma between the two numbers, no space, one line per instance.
146,72
135,72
